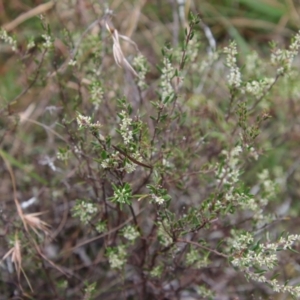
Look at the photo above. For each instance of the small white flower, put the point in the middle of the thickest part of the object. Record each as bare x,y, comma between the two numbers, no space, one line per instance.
48,41
158,200
83,121
30,45
72,62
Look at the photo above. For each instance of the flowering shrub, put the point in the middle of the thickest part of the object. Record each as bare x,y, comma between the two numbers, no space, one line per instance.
155,187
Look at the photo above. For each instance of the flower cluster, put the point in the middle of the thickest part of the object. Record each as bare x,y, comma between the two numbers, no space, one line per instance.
31,43
96,93
85,122
228,177
253,64
192,50
130,233
113,160
117,256
267,190
283,59
84,210
158,194
157,199
8,39
140,65
125,129
167,73
129,165
63,154
229,172
268,185
208,61
249,256
122,194
72,62
240,240
89,291
234,77
258,88
275,285
48,42
101,226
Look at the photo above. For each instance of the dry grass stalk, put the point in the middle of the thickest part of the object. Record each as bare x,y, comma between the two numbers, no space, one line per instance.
16,258
119,57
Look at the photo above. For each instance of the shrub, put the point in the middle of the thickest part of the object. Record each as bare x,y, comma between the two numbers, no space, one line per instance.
152,183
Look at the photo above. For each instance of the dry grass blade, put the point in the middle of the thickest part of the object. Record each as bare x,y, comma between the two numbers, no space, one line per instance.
16,258
32,221
35,223
119,57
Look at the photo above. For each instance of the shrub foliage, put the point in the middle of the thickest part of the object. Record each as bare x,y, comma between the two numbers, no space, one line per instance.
131,175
